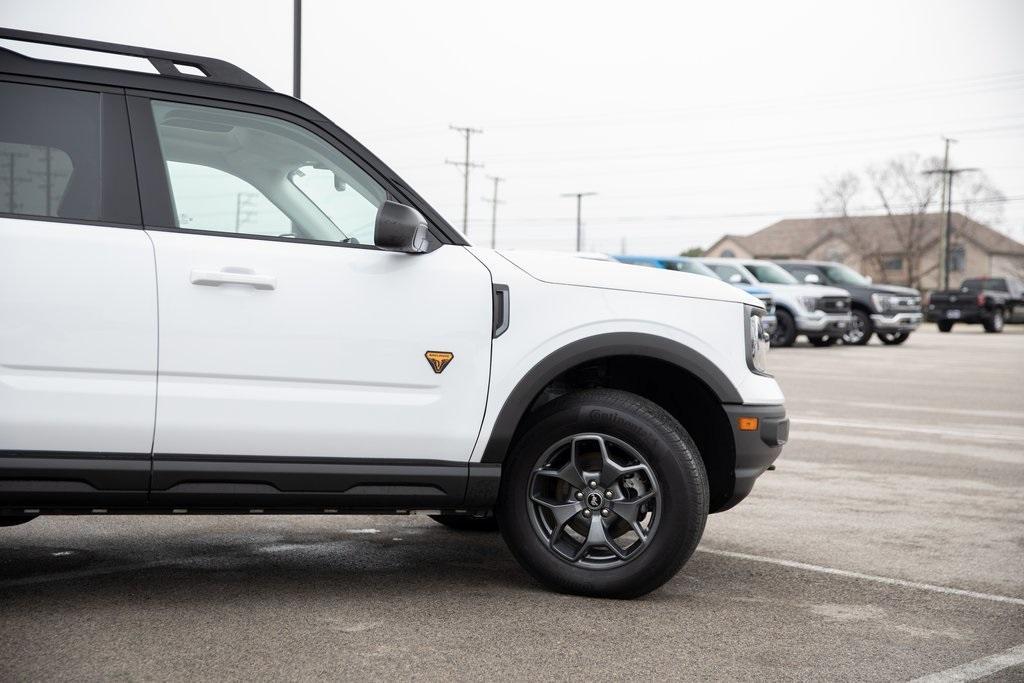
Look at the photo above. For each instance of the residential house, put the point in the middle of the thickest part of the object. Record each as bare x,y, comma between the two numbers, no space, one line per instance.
901,249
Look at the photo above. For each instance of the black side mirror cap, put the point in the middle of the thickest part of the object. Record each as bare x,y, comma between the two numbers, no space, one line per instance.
400,228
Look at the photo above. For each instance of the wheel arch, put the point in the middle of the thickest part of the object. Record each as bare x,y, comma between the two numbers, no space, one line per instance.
676,377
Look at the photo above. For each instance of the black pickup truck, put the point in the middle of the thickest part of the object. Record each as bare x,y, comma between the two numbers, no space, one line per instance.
990,301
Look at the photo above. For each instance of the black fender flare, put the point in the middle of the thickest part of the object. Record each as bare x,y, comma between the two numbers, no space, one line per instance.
593,348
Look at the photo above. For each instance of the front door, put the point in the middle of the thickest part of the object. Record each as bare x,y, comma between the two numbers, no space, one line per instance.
295,356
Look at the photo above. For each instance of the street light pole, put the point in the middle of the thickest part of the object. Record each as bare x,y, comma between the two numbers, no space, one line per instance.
579,213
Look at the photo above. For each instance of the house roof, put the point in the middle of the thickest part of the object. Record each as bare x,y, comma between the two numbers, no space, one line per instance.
795,237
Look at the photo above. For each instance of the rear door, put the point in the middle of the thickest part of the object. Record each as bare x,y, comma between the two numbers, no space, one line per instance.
78,314
296,358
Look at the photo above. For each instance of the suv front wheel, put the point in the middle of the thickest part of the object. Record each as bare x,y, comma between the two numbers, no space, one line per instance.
605,494
860,330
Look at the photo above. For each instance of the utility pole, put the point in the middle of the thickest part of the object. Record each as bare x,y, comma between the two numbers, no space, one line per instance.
579,211
944,239
946,236
297,49
466,164
494,201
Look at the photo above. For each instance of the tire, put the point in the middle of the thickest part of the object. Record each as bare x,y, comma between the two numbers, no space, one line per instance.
546,497
994,323
16,520
785,329
467,523
860,330
823,341
945,325
893,338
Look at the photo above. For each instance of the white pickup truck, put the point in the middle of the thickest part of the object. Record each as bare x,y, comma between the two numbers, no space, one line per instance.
215,300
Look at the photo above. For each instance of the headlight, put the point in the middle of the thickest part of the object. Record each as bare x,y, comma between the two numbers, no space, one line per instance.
809,303
757,342
883,302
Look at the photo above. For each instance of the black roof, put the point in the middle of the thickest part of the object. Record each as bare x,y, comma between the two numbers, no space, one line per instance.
223,80
166,63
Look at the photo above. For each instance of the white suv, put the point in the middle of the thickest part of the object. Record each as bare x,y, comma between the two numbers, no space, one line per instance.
215,300
821,313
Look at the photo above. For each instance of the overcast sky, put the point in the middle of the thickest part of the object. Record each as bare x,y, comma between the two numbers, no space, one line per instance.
689,120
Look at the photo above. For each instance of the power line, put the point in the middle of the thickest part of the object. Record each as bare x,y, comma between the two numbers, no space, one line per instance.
466,164
579,211
995,82
494,201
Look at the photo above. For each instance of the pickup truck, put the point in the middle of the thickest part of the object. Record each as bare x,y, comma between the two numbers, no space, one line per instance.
890,312
988,301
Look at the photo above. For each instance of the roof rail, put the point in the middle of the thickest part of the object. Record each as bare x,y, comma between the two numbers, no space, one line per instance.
166,63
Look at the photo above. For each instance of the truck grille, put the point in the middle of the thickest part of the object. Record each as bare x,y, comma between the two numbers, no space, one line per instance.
906,303
834,304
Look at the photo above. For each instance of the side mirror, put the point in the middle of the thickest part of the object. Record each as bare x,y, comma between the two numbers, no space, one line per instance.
812,279
735,278
400,228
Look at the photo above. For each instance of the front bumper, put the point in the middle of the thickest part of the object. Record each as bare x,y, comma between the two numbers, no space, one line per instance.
820,322
755,450
896,322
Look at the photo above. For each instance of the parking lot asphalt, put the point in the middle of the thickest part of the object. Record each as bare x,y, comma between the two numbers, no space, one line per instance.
888,545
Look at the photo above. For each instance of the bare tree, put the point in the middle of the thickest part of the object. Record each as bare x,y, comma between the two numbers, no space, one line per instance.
908,194
978,201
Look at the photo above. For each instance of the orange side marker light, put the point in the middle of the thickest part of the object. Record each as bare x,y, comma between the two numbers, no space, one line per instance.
748,424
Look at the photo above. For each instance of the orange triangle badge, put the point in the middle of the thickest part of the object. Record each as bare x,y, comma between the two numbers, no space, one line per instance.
439,360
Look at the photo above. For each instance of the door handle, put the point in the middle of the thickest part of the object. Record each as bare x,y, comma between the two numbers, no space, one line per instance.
232,275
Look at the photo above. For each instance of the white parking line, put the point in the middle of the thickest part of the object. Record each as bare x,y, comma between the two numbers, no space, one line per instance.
993,433
979,668
865,577
1016,416
880,444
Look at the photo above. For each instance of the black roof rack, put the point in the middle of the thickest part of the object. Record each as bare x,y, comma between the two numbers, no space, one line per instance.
166,63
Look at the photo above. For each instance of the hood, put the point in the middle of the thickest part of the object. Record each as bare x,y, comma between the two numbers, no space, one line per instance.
564,269
894,289
802,290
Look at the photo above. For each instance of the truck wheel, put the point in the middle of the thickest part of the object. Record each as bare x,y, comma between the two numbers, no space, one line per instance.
994,323
893,338
467,523
823,341
15,520
860,330
785,329
604,494
945,325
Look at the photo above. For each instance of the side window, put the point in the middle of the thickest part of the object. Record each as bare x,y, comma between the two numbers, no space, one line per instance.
238,172
65,154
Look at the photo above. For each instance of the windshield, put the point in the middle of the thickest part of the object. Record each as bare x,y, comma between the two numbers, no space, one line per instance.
770,273
690,267
728,273
845,275
978,284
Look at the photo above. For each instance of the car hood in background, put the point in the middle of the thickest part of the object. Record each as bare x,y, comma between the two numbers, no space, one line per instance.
893,289
562,269
803,290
